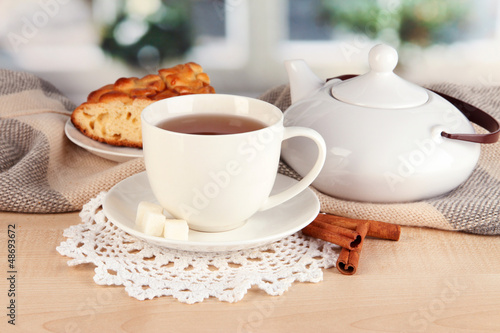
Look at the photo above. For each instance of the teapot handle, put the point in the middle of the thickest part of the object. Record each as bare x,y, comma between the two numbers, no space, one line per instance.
476,116
472,113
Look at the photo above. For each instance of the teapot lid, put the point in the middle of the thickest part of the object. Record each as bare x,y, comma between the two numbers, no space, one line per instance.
380,87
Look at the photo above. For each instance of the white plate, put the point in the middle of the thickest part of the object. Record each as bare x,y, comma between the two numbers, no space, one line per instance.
113,153
120,207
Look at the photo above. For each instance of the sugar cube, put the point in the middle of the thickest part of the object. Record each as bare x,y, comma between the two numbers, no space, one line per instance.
142,208
176,229
153,223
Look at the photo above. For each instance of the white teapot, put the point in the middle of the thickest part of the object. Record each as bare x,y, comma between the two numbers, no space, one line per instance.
388,140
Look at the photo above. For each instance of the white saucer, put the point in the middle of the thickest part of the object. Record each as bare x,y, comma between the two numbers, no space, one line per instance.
120,207
113,153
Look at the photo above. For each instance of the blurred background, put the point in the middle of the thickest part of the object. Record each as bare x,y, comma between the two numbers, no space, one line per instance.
81,45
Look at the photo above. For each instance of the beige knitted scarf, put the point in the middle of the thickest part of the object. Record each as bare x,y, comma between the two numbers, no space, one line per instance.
41,171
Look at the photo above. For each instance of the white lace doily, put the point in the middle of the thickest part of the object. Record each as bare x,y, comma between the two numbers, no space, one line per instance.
149,271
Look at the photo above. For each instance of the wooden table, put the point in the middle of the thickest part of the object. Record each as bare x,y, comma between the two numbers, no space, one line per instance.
430,280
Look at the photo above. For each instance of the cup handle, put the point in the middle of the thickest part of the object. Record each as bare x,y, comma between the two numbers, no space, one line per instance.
292,191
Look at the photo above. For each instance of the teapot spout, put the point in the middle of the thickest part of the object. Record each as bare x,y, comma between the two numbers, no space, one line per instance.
303,82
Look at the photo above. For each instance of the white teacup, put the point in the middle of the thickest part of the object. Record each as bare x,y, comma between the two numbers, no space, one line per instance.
216,182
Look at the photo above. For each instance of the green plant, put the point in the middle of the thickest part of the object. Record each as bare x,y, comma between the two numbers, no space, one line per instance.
420,22
145,37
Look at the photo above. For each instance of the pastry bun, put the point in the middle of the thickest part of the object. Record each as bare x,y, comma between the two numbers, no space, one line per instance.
112,114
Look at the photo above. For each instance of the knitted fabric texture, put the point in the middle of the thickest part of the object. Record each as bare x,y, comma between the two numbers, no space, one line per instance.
41,171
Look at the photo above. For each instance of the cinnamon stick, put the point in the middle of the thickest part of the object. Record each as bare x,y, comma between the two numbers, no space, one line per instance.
350,235
343,237
377,229
348,260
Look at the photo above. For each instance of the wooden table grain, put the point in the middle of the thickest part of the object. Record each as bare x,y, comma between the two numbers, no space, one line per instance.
429,281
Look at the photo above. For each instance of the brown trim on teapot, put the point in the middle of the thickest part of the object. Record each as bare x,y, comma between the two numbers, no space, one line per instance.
477,116
474,114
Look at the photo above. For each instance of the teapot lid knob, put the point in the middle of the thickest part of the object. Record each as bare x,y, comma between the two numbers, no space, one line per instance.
380,87
382,58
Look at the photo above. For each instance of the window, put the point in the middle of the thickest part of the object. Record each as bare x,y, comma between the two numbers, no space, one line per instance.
242,44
